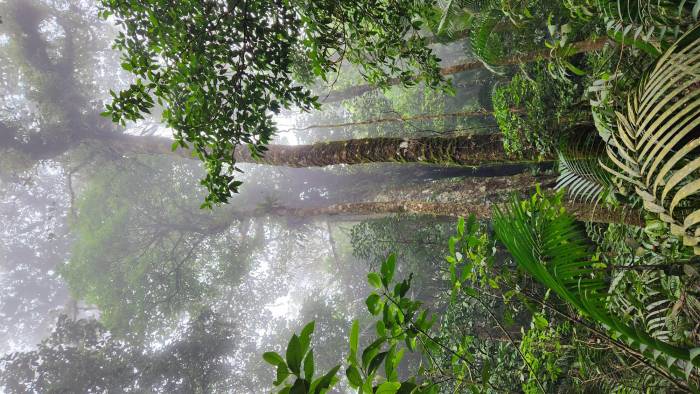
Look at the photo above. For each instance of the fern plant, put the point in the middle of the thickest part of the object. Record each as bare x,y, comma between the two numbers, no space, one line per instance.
579,172
655,145
646,21
547,243
484,39
454,18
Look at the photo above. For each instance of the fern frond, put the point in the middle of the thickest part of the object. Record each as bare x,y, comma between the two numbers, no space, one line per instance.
484,41
579,172
546,242
650,22
454,18
656,144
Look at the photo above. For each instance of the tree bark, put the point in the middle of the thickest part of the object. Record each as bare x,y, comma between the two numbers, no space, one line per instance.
473,150
463,114
579,47
584,212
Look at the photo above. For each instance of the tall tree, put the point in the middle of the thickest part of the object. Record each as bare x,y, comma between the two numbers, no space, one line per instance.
469,150
579,47
219,69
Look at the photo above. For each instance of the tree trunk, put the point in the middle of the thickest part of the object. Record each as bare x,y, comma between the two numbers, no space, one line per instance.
585,212
473,150
579,47
467,114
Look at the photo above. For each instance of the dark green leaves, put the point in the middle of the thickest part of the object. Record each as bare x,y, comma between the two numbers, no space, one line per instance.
388,388
294,354
353,375
299,353
326,381
374,303
374,280
305,336
220,68
273,358
354,340
387,269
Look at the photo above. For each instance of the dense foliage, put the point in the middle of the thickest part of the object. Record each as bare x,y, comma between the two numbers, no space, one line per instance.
575,266
221,70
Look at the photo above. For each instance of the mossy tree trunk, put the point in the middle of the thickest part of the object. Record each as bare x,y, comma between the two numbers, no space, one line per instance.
583,212
461,150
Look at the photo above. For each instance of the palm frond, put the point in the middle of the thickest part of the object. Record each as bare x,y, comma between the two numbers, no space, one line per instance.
647,21
454,18
484,39
579,172
547,243
655,145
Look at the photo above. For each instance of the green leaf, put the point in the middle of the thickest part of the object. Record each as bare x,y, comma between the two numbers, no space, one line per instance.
371,351
354,376
301,386
486,371
285,390
282,373
305,336
387,269
381,328
374,280
406,388
354,341
294,354
451,244
460,226
388,388
470,292
374,303
411,343
273,358
376,362
326,381
309,366
539,321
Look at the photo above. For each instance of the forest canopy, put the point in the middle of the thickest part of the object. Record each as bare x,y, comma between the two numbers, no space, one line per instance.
413,197
221,69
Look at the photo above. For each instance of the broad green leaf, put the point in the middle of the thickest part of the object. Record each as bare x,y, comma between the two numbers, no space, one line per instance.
381,328
294,355
309,365
388,388
326,381
273,358
354,341
373,304
301,386
354,377
376,362
282,373
540,321
387,269
374,280
406,388
371,351
305,336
